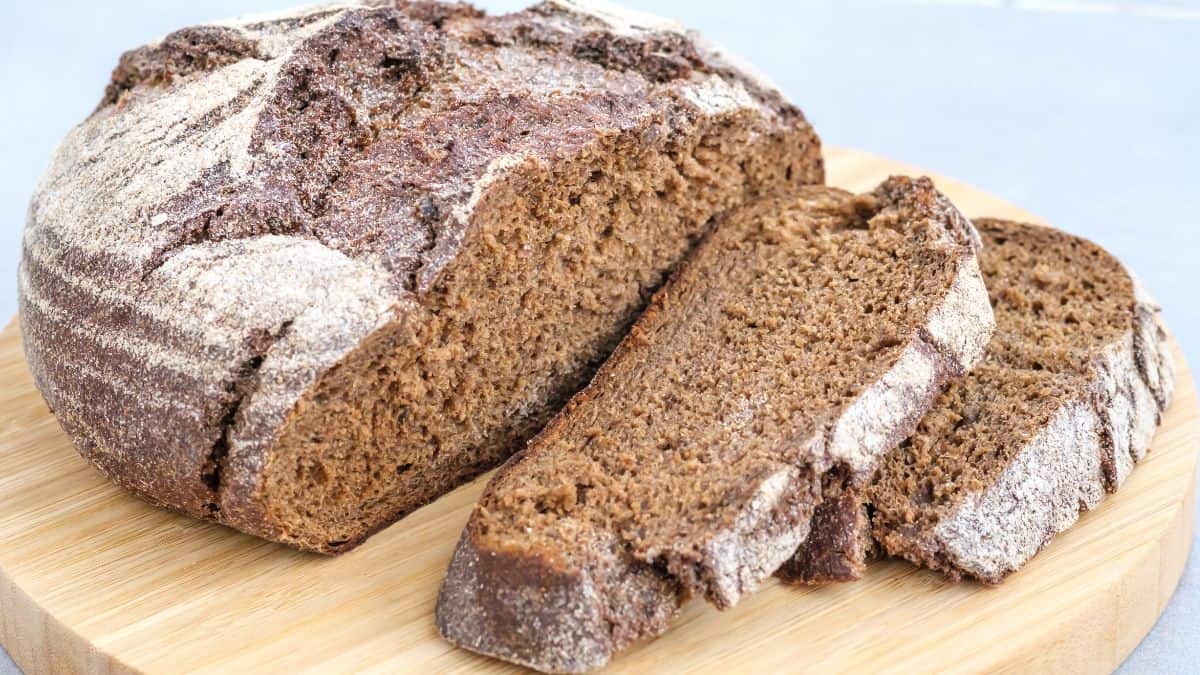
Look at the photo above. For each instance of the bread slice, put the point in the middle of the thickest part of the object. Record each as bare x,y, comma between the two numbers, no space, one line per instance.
302,274
804,338
1064,404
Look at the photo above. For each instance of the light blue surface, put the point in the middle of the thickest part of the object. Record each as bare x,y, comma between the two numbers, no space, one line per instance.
1086,113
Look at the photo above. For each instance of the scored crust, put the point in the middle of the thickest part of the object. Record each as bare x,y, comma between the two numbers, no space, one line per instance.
261,210
1087,420
514,596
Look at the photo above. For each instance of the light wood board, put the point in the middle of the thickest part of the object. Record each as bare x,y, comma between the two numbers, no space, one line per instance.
92,579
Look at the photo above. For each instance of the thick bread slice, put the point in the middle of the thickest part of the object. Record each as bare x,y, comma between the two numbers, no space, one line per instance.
804,338
302,274
1064,404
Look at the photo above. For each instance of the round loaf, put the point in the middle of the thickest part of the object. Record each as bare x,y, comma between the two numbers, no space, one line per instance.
302,274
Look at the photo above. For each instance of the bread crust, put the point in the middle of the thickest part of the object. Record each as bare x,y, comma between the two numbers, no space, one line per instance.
194,261
839,544
477,612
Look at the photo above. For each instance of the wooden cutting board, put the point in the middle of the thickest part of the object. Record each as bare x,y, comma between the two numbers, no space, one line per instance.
92,579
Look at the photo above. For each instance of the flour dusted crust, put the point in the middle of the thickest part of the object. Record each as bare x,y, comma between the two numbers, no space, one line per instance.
1102,426
255,199
571,611
1087,450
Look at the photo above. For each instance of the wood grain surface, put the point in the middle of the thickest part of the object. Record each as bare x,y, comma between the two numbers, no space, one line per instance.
93,580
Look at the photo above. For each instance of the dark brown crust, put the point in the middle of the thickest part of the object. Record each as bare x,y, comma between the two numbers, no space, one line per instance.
98,325
580,631
839,543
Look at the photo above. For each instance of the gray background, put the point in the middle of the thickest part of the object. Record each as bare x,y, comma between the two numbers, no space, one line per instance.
1085,112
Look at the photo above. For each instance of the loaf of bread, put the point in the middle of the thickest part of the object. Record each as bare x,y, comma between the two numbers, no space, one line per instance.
803,340
302,274
1064,404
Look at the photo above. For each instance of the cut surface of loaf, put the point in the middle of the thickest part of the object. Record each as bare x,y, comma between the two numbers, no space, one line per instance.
1064,404
301,274
803,339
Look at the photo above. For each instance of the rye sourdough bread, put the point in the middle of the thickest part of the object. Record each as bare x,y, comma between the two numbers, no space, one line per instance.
804,338
1064,404
301,274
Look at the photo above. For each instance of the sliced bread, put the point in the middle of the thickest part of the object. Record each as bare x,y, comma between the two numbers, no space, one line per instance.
804,338
1064,404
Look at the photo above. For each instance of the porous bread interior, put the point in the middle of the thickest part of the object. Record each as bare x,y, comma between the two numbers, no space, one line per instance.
562,261
1058,301
787,312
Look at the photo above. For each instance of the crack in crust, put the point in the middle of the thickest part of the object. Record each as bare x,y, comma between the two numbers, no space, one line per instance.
247,382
